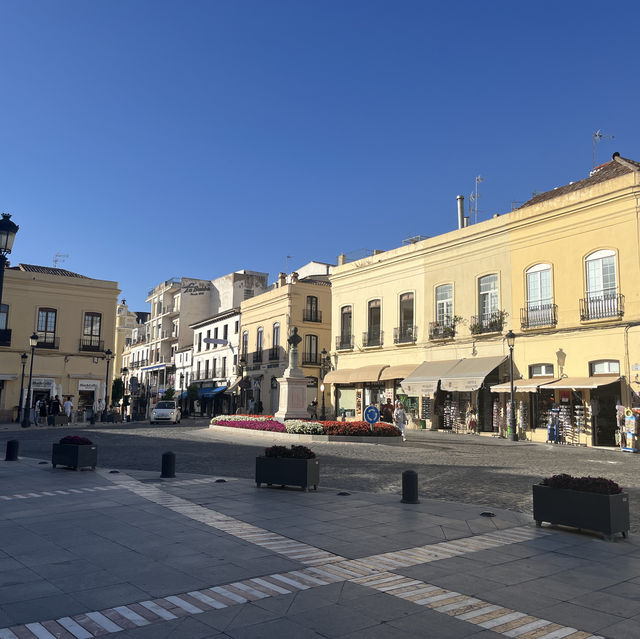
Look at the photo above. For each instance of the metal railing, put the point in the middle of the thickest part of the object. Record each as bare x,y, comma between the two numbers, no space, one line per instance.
487,323
373,338
274,354
48,341
405,334
538,316
92,344
344,342
442,330
257,357
5,337
602,307
309,315
310,358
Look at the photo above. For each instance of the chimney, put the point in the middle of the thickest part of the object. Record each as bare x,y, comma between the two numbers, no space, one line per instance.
282,279
461,220
342,259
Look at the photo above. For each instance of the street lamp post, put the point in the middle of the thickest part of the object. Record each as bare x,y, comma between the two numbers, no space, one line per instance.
8,232
325,367
125,373
23,357
33,341
513,433
107,356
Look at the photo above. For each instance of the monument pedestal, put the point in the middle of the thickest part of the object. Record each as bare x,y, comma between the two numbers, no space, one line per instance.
293,385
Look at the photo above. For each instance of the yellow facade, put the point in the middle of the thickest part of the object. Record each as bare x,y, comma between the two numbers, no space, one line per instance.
563,272
275,313
74,318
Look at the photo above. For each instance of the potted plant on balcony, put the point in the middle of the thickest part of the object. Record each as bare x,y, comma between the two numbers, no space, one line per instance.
295,466
75,452
590,503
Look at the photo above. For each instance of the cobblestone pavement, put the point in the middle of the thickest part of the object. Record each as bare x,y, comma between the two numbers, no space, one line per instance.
463,468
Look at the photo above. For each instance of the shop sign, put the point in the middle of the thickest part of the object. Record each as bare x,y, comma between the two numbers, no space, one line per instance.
87,385
42,382
196,288
312,382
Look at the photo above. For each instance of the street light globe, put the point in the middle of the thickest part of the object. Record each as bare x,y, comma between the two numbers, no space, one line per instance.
33,340
322,388
511,339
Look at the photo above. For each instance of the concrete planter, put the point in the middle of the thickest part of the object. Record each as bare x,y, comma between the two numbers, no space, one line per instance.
287,471
608,514
74,456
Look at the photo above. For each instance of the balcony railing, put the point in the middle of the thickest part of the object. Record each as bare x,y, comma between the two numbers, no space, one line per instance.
309,315
5,337
310,359
487,323
602,307
257,357
274,354
372,338
92,344
442,330
539,315
344,342
48,341
405,334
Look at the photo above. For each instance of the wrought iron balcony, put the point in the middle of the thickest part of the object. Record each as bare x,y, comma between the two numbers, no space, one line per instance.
405,334
48,341
309,315
257,357
539,316
441,330
602,307
310,359
91,344
487,323
5,337
274,354
372,338
344,342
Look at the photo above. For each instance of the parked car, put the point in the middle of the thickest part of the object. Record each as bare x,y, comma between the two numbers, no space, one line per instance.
166,411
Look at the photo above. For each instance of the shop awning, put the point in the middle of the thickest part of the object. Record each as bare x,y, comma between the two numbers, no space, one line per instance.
397,372
8,376
469,373
523,385
583,382
338,377
234,385
210,392
367,373
424,379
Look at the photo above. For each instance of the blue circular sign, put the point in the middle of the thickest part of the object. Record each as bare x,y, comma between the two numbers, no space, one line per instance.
371,415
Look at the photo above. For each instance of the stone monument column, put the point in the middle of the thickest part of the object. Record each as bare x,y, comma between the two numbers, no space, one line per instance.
293,385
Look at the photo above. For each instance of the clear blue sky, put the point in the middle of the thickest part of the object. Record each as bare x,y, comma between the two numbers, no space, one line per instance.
152,138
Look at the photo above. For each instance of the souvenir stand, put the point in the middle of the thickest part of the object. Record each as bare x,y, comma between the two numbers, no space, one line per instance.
629,430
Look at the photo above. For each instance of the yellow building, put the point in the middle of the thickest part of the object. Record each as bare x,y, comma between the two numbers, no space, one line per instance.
74,318
427,321
266,323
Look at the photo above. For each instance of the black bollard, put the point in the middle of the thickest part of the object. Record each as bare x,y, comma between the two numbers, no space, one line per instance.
12,450
168,465
410,487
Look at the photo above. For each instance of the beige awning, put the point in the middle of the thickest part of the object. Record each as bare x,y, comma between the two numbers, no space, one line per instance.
583,382
469,373
523,385
424,379
398,372
8,376
234,385
338,377
367,373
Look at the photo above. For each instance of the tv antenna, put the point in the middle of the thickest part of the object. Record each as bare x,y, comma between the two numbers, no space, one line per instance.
473,198
59,257
289,257
597,136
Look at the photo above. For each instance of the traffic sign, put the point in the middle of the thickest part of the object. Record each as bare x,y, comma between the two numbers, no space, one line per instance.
371,415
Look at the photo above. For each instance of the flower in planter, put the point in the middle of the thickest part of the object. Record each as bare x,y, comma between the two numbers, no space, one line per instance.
295,452
253,424
301,426
583,484
75,440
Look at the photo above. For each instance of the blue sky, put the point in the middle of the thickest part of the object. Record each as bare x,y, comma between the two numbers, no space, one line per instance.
154,139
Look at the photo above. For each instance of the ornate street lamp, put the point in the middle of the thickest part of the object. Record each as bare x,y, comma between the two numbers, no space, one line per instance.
33,342
513,433
107,355
8,232
23,357
325,367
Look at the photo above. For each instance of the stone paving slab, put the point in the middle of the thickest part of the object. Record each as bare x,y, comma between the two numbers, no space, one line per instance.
86,554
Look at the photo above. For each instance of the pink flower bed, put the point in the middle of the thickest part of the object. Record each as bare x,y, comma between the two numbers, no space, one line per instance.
269,424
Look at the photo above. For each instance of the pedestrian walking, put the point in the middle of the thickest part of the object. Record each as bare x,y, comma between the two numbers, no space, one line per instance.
43,411
400,418
56,407
68,407
314,408
387,412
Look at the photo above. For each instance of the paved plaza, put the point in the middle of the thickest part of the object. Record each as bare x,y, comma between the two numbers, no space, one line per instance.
87,554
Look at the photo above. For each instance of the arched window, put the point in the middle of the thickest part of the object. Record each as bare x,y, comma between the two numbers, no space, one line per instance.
373,336
602,298
345,339
259,338
540,310
275,342
245,343
406,332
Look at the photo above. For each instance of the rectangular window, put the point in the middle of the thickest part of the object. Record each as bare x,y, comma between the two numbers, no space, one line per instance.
92,325
208,335
198,369
488,296
223,372
236,327
199,342
206,369
225,331
311,348
605,367
444,304
4,314
215,336
47,318
214,369
541,370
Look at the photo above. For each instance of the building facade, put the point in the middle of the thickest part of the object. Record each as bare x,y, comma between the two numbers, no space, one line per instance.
426,322
74,318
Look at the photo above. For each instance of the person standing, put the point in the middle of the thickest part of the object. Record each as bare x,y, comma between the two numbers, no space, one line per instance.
314,408
43,412
68,407
400,418
387,412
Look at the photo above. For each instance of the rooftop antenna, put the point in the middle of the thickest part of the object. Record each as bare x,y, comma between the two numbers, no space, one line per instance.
289,257
473,198
59,257
597,136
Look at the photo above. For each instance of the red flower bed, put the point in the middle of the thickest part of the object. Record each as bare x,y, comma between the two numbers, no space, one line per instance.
361,429
270,425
